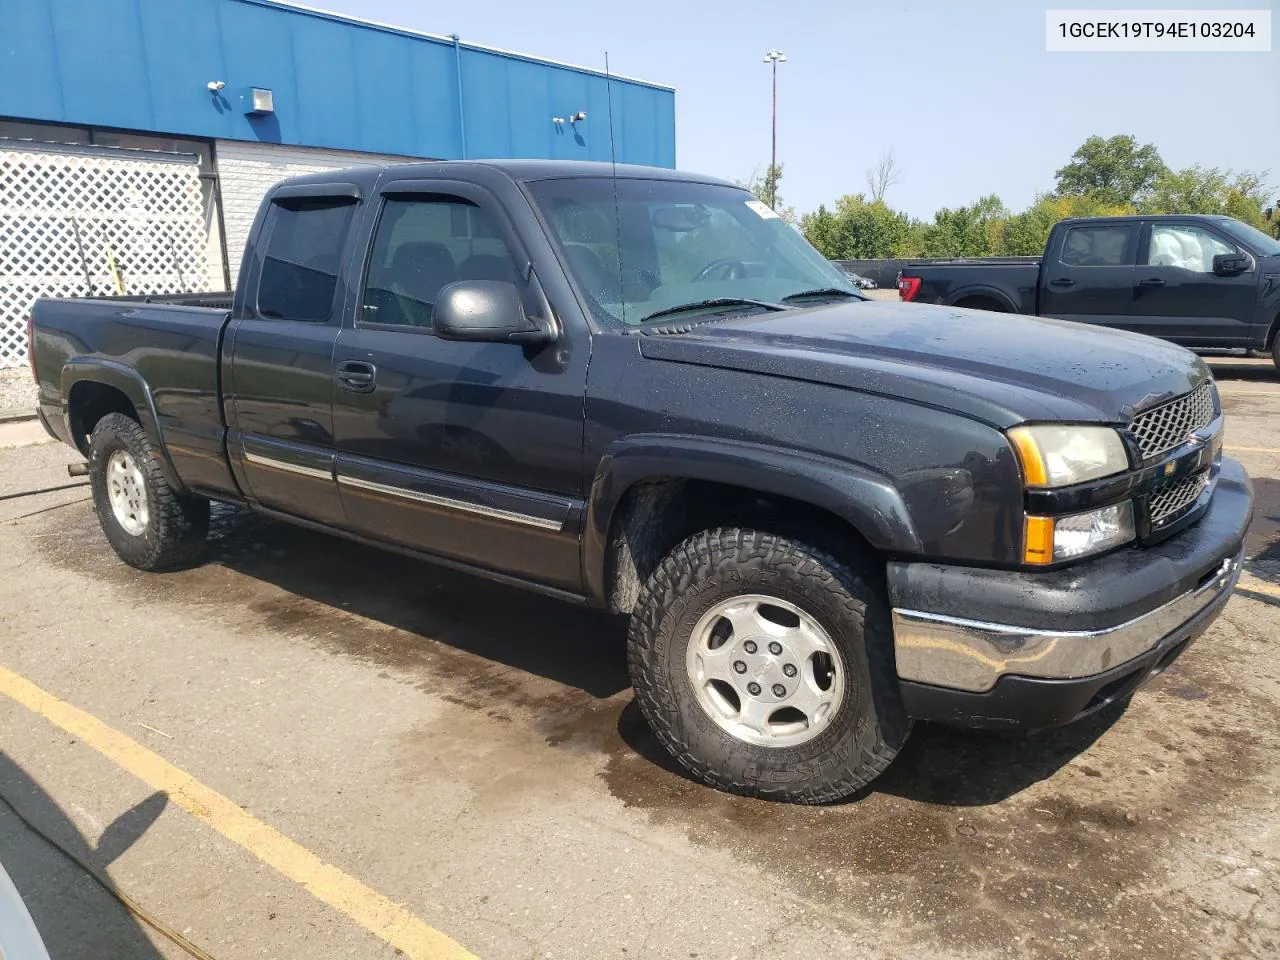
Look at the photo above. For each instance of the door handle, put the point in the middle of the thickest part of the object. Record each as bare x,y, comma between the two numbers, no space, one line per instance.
1151,282
357,376
1063,282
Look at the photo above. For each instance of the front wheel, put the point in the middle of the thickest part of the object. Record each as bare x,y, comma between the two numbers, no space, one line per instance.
765,667
1275,349
150,525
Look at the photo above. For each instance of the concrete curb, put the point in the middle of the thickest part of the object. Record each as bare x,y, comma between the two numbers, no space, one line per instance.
16,416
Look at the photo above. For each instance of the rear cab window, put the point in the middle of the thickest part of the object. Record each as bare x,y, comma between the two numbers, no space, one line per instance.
302,256
1099,245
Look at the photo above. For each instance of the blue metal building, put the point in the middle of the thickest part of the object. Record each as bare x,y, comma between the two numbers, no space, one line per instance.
248,92
146,65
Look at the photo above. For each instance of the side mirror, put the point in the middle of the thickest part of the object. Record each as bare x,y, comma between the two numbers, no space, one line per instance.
1230,264
486,311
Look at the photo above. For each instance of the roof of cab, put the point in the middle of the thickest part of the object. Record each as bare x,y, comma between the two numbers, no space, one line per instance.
517,170
1134,217
566,169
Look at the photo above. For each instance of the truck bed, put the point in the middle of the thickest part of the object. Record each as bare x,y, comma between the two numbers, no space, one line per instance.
1001,283
163,355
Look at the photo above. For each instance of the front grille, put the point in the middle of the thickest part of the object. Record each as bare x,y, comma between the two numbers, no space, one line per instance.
1168,425
1172,501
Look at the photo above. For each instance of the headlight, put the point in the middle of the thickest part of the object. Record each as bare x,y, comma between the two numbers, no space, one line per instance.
1058,456
1054,539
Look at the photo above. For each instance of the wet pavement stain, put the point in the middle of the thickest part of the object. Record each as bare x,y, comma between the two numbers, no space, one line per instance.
1262,542
1249,405
966,867
975,843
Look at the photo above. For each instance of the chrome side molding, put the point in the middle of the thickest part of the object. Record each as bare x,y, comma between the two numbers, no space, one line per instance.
273,464
449,503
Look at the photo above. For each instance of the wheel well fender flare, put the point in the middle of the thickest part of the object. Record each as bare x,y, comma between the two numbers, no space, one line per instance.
982,290
130,383
868,501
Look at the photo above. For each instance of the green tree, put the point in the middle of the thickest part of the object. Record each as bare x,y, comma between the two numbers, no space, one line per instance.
1115,170
1211,190
1111,177
859,229
972,231
821,229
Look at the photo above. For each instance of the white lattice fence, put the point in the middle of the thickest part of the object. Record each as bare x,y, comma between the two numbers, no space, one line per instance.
66,218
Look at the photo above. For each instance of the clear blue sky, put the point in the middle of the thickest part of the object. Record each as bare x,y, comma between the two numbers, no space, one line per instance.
964,92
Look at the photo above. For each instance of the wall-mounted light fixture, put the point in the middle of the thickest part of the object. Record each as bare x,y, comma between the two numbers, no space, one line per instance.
258,101
580,115
557,120
215,85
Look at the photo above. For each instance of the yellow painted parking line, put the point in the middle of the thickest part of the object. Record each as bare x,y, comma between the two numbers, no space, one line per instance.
1254,585
376,913
1252,449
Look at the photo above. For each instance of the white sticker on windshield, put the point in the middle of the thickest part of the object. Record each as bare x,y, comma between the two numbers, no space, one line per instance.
762,209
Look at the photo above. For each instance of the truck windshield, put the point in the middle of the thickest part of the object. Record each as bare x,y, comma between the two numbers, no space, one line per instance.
662,245
1251,237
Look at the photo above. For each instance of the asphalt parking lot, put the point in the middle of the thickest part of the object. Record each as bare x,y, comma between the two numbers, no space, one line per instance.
306,748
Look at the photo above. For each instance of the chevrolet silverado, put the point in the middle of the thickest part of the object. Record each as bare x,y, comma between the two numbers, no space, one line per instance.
641,390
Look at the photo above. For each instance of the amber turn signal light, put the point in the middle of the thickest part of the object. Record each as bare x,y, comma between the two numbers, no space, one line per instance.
1038,540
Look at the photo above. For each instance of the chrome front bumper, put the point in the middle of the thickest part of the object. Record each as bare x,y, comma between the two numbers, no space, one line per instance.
971,655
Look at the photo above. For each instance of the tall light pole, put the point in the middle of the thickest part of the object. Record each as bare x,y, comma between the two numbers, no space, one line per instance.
774,57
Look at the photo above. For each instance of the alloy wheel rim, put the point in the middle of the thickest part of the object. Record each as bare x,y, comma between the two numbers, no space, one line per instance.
765,670
127,493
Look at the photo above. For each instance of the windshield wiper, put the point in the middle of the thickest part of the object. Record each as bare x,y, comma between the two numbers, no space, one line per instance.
714,302
823,292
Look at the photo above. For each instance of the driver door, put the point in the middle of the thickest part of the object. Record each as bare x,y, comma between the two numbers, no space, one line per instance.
1178,297
471,451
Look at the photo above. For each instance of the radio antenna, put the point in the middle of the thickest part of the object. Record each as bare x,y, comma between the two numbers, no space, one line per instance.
608,79
613,166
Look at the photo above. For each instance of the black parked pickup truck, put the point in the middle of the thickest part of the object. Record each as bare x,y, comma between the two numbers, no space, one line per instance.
825,516
1205,282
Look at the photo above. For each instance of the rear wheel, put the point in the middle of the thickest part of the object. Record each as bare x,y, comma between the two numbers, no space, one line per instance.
1275,349
150,525
765,667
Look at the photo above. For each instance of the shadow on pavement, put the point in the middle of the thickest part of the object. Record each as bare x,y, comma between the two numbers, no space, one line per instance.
940,765
76,917
1223,369
1262,542
576,647
587,650
967,768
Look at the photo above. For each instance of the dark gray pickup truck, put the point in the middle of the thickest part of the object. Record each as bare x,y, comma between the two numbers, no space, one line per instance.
644,392
1205,282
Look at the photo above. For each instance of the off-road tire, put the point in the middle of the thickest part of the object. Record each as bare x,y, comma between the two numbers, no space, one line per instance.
1275,350
177,523
870,726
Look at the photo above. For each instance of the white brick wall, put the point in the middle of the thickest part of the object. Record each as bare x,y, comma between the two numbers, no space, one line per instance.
247,170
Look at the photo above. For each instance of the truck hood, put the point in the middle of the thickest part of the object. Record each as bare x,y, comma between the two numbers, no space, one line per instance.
1001,368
